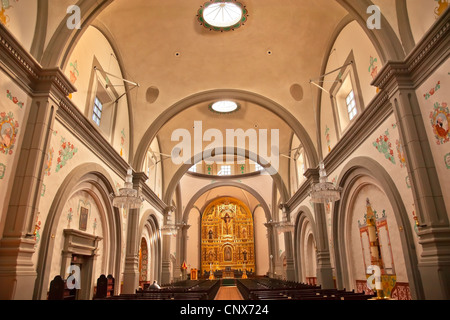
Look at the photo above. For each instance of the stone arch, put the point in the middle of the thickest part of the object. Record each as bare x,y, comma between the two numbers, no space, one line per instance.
197,98
385,40
353,170
216,185
96,176
64,40
303,217
185,168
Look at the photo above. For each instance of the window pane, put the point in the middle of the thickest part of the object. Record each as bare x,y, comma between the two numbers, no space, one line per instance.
97,112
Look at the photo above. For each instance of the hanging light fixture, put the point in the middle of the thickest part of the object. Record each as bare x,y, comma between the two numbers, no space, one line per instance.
128,197
281,226
324,191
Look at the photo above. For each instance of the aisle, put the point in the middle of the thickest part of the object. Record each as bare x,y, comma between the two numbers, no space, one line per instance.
228,293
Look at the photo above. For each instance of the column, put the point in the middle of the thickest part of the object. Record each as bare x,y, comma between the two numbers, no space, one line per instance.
17,272
324,269
165,272
183,247
131,270
290,268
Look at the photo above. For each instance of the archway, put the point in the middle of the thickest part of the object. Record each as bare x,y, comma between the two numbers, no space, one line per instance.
227,238
356,169
305,227
94,180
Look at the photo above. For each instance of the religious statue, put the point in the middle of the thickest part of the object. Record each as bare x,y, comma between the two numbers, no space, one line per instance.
227,254
227,228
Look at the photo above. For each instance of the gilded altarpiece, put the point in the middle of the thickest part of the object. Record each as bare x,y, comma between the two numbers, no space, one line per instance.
227,237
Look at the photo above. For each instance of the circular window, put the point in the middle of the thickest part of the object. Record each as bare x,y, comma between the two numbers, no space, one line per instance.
224,107
222,15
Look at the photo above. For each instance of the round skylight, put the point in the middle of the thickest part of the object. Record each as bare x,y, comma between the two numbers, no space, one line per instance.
222,14
224,106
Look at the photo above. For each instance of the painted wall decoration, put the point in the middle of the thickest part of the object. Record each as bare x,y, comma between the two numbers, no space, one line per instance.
43,190
373,69
327,137
15,100
74,73
442,5
94,225
9,129
384,146
447,160
143,260
48,163
439,119
408,182
69,218
122,141
66,153
37,230
2,171
432,91
401,154
84,214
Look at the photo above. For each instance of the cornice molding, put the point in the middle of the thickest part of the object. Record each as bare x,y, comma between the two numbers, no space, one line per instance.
27,72
429,53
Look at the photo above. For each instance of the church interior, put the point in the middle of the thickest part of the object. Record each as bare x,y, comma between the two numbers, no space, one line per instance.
224,149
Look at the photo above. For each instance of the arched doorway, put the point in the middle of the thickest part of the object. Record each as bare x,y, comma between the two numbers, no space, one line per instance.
227,237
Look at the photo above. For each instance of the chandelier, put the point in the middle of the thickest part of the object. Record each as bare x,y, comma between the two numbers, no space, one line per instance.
324,191
281,226
170,228
128,197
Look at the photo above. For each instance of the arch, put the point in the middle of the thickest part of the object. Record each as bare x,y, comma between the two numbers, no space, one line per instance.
64,39
216,185
98,177
205,96
304,216
385,40
353,170
227,246
226,150
337,31
37,47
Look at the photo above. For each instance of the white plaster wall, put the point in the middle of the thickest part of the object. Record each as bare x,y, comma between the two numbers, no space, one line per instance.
421,16
261,243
